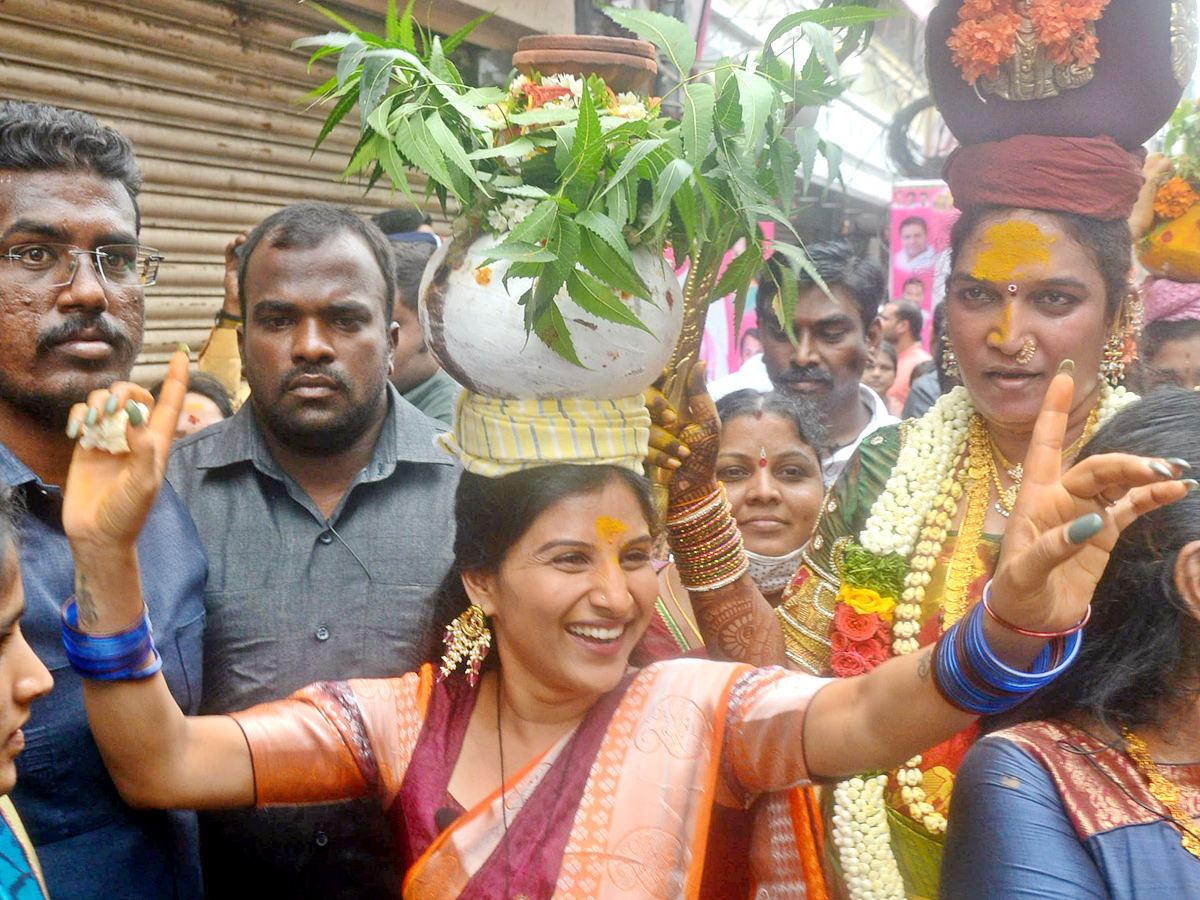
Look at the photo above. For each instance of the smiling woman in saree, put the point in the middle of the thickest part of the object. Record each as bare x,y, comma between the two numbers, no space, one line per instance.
556,772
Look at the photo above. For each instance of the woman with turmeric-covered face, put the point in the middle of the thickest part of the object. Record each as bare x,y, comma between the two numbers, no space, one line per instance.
910,534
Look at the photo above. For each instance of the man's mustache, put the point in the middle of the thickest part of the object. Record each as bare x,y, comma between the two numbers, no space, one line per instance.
807,373
83,328
322,370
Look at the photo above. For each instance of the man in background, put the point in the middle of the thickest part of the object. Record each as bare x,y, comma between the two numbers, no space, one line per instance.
327,515
836,333
902,323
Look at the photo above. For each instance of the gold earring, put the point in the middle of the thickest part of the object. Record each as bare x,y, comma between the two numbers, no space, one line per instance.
1126,328
467,637
949,360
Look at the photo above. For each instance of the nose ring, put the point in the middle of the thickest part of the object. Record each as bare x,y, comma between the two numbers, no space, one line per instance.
1028,348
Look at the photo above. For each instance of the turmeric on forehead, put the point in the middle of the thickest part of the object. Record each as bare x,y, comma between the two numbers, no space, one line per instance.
610,529
1008,248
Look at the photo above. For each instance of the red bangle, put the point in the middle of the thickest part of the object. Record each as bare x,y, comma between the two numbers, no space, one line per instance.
1045,635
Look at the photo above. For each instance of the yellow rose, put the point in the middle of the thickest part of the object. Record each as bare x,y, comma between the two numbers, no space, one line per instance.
866,601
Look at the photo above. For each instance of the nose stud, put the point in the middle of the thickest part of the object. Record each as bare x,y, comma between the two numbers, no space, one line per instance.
1028,348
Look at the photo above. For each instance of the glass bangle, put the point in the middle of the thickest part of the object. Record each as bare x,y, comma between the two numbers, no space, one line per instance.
110,657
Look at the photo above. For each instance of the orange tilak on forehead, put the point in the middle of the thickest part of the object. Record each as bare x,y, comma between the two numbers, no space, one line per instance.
1009,248
610,529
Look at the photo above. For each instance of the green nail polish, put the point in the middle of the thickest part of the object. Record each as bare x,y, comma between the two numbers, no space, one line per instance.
1182,463
1068,366
134,411
1192,485
1159,469
111,406
1084,527
73,429
91,417
183,348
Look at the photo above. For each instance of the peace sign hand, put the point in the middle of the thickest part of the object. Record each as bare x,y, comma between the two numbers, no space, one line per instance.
1064,525
108,496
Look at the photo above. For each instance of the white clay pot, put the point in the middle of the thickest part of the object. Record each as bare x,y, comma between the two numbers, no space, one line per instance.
476,329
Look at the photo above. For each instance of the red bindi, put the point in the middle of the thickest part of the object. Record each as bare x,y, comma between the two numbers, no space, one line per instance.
762,458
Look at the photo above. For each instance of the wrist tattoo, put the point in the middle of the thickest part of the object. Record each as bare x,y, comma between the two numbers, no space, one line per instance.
85,605
924,665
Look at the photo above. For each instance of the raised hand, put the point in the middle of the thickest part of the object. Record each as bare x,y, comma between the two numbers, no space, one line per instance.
108,496
1064,525
686,448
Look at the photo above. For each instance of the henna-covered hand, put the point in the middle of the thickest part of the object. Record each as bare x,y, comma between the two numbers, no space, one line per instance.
686,448
738,624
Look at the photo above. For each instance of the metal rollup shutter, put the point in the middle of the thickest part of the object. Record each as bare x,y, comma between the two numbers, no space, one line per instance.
211,95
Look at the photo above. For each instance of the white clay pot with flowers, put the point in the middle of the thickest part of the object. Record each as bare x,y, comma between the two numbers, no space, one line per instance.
569,187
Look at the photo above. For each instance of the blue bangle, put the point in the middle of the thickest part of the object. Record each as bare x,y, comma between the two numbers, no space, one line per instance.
970,676
110,657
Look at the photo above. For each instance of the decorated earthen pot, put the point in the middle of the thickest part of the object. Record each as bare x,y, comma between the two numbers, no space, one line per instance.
476,329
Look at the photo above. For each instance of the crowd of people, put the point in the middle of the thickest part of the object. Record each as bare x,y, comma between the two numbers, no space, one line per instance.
913,623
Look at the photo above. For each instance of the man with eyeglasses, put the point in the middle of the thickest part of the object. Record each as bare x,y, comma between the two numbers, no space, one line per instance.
72,310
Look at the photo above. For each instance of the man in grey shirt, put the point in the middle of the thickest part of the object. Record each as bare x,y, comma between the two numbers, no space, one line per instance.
327,515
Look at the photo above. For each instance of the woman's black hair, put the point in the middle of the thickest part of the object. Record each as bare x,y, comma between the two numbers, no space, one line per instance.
1140,656
888,349
205,386
493,514
9,512
802,415
1109,243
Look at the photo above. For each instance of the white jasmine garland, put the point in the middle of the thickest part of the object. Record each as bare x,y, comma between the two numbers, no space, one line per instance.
912,517
860,833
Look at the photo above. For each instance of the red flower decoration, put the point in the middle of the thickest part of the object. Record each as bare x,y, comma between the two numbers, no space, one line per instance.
847,664
873,651
855,626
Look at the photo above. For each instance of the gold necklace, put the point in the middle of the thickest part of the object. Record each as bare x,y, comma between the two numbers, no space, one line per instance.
1006,498
1163,790
683,615
977,487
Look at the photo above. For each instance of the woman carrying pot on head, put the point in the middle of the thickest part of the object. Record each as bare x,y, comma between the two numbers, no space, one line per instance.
556,772
1099,796
770,467
1040,259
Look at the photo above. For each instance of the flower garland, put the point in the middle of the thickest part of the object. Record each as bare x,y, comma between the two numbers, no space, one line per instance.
986,35
860,832
896,553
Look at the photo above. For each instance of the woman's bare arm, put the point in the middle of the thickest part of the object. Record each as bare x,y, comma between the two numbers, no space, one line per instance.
157,756
1043,582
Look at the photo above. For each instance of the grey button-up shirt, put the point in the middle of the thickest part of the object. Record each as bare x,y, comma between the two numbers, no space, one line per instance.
293,598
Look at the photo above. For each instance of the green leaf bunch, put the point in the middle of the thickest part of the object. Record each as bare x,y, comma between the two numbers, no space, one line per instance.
1182,140
599,183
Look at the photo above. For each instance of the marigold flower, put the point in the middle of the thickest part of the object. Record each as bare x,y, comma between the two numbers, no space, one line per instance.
1174,198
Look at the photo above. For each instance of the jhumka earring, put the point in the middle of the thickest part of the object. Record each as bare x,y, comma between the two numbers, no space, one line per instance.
949,360
467,637
1125,330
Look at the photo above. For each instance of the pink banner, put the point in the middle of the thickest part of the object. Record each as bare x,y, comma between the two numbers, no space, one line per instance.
922,216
